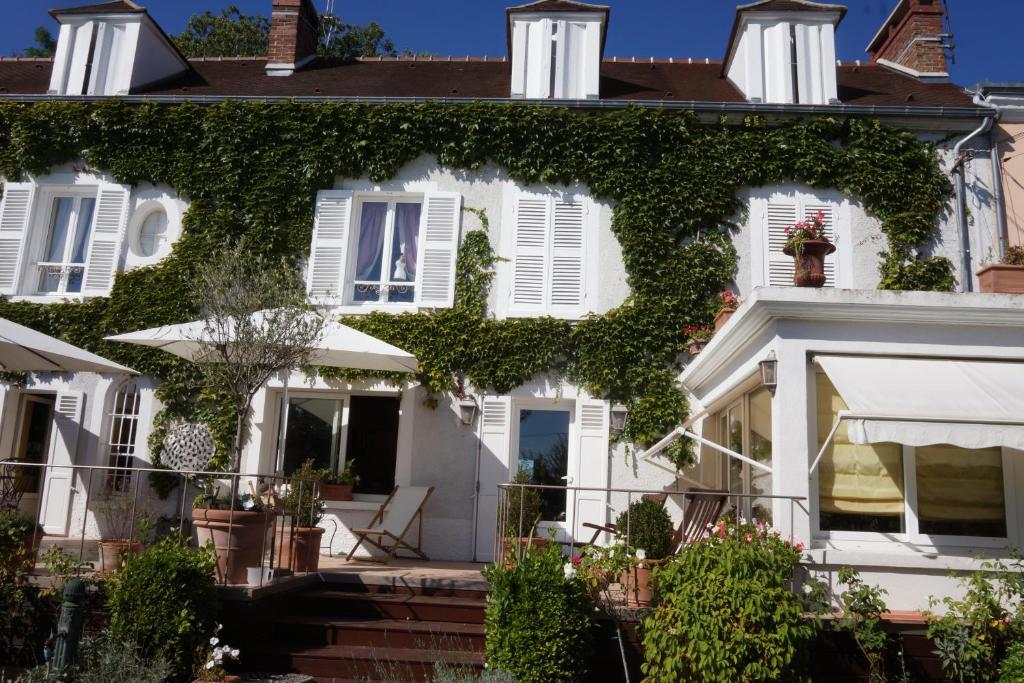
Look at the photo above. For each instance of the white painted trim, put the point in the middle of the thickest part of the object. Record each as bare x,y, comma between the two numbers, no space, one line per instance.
925,76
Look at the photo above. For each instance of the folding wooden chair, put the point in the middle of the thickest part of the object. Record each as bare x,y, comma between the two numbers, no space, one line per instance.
389,526
701,511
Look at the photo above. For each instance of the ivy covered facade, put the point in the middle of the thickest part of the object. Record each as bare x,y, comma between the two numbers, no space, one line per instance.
541,259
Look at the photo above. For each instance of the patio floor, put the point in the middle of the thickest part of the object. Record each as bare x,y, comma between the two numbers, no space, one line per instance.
406,573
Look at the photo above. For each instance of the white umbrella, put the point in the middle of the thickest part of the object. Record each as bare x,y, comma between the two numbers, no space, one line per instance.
340,346
24,350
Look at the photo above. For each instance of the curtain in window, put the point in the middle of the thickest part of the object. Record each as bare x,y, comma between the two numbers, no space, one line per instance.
957,484
59,228
405,249
855,479
84,229
371,241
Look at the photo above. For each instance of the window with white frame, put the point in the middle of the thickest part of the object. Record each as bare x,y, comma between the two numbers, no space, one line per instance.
61,240
556,57
745,427
929,494
385,249
771,212
549,246
124,429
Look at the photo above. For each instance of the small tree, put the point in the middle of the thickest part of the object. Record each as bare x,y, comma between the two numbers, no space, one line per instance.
256,323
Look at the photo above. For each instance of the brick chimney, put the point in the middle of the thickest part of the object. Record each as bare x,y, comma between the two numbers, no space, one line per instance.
914,39
294,33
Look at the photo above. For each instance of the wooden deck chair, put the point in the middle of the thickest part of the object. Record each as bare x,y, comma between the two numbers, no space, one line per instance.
389,526
701,511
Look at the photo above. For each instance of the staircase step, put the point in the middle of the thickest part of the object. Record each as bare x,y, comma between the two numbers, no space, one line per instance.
357,585
333,603
356,662
401,633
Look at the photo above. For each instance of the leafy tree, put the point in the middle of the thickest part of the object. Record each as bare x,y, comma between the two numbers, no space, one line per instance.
45,45
233,34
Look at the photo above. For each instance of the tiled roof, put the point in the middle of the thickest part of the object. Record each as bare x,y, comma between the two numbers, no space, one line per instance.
868,84
120,6
791,6
557,6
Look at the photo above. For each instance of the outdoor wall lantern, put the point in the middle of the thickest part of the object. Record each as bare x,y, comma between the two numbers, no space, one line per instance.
770,372
618,417
467,409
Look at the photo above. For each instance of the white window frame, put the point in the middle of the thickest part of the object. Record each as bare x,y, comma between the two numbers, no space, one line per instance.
562,528
391,199
39,226
118,415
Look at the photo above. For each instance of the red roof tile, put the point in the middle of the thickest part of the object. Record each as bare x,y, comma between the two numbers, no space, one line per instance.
119,6
557,6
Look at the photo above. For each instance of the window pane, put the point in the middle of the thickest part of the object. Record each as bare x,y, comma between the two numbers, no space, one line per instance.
960,491
311,433
83,230
761,451
860,487
152,233
373,442
404,246
544,452
370,252
56,241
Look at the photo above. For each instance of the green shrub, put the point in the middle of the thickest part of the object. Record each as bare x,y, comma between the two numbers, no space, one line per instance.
539,619
103,660
726,612
301,499
164,601
522,507
646,526
863,606
1012,668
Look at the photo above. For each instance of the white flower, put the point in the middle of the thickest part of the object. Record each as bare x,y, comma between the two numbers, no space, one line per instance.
214,640
234,654
807,589
570,571
209,665
641,554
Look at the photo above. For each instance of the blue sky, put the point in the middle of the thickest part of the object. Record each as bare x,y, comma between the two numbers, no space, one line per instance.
986,31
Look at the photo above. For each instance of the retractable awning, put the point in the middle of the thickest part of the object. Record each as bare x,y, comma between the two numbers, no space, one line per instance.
926,401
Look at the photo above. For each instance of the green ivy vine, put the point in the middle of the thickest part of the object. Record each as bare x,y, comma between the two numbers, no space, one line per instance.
254,169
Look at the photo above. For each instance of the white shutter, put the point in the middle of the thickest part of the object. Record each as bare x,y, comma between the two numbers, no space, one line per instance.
56,503
567,256
529,264
592,458
495,440
108,225
829,214
325,273
15,213
439,245
779,215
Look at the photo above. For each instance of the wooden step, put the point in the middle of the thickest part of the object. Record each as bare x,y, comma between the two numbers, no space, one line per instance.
352,605
401,633
350,585
361,662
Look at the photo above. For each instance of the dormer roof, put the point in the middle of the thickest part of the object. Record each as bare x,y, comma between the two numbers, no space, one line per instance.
776,6
114,7
545,6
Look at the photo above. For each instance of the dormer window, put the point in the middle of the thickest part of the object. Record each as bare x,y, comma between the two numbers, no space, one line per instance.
784,52
556,48
110,49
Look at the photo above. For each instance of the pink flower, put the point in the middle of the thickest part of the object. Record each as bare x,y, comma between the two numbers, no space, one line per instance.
799,547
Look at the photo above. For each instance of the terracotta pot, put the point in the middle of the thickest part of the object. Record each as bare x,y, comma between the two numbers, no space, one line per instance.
809,266
695,347
238,539
1001,278
299,549
637,585
336,491
113,554
722,317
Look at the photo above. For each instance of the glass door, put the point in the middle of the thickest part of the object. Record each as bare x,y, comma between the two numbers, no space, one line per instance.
33,441
543,452
312,432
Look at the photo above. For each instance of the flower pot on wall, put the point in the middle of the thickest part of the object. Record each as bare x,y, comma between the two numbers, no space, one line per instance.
722,317
336,491
113,554
1001,278
237,537
809,265
637,585
299,549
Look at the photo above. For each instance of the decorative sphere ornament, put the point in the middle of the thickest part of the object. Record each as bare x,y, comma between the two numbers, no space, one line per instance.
189,447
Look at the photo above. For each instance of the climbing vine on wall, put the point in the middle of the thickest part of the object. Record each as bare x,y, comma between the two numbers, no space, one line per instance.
254,168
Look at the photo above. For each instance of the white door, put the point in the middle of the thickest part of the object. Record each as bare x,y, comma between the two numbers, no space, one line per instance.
590,462
494,470
56,503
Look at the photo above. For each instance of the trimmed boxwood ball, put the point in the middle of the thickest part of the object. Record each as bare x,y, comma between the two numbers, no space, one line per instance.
646,525
164,600
539,619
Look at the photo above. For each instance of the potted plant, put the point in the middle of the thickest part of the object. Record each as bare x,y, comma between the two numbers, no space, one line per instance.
697,337
522,515
119,534
727,305
807,243
338,485
237,531
19,536
300,540
1005,277
213,658
645,531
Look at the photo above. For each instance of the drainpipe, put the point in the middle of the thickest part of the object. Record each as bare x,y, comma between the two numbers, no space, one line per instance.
961,202
997,176
476,477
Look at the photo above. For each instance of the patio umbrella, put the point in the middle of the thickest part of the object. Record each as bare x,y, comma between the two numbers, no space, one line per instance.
24,350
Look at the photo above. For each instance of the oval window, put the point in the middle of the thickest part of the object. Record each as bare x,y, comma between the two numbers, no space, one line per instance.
152,233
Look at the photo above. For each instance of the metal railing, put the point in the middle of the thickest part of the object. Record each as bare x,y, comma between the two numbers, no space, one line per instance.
574,532
137,501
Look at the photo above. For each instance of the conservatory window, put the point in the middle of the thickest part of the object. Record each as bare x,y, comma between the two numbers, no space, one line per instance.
124,428
746,428
960,491
62,261
387,251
